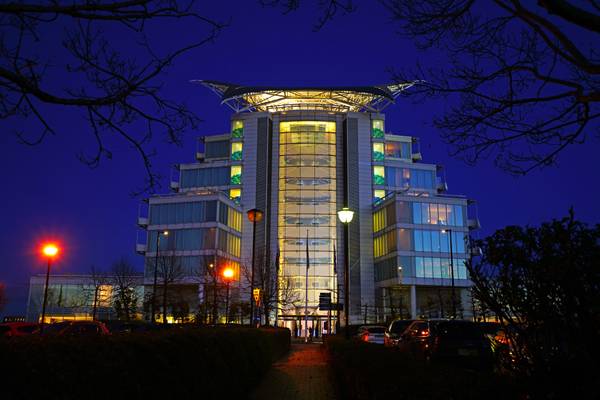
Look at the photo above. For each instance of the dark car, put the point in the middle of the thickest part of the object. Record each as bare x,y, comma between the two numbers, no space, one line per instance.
395,330
76,328
10,329
458,342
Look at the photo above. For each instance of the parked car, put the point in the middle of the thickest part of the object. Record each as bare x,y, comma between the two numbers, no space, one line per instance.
124,327
10,329
395,330
76,328
455,341
371,334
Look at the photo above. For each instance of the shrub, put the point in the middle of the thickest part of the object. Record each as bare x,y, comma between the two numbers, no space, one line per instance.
367,371
208,363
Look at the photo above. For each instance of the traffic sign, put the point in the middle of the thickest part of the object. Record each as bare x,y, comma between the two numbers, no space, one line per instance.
256,295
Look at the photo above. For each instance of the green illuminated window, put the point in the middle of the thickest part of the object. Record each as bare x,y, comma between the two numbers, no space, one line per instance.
236,175
378,195
237,129
377,129
236,151
378,175
378,150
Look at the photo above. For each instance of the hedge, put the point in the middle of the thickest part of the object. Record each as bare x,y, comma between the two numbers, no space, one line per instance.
368,371
206,363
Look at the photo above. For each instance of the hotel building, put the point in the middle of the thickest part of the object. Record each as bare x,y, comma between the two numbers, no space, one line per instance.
300,155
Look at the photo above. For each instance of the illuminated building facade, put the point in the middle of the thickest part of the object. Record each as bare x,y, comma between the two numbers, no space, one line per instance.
300,155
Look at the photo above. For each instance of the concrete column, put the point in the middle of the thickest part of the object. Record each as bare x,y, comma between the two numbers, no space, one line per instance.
413,301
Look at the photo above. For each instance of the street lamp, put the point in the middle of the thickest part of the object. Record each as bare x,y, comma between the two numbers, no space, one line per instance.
158,235
449,231
345,215
228,274
50,251
255,215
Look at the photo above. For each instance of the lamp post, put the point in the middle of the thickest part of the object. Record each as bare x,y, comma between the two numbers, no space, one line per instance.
228,274
449,231
50,251
158,234
255,215
345,215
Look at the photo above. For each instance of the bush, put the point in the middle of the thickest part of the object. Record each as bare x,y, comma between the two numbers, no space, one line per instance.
367,371
208,363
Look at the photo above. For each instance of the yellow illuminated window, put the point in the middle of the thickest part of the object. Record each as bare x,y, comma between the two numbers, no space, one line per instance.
234,219
235,194
236,175
236,151
379,194
377,129
315,126
379,220
237,129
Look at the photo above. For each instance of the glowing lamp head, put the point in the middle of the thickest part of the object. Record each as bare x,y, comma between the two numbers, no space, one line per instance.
228,273
50,250
345,215
165,233
255,215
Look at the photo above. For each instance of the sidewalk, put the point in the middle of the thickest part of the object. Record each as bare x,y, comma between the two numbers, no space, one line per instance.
302,375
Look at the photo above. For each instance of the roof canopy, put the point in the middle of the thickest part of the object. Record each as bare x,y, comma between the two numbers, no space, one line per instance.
336,99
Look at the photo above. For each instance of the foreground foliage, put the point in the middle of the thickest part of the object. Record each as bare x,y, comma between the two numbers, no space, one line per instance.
367,371
207,363
544,284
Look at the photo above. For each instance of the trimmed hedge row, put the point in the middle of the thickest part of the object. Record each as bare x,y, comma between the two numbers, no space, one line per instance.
207,363
367,371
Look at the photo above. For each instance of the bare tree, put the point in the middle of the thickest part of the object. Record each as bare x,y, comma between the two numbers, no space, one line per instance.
124,289
327,8
525,77
117,93
98,281
170,272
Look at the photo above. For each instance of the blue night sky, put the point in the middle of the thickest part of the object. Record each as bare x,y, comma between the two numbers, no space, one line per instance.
48,192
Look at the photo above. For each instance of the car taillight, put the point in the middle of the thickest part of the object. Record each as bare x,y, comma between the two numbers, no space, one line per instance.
366,337
424,333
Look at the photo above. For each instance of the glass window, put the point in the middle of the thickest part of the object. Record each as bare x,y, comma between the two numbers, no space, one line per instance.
216,149
406,153
459,216
428,267
236,175
377,129
426,240
418,234
435,241
237,129
417,213
378,195
236,151
378,175
419,269
393,149
378,154
444,246
235,194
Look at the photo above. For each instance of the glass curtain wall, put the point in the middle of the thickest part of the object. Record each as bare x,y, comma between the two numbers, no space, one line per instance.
307,209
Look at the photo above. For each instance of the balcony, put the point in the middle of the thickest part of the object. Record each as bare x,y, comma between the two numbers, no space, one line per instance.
140,248
473,223
416,157
174,186
142,221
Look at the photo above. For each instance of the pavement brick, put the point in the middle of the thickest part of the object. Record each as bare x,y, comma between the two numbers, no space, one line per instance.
302,375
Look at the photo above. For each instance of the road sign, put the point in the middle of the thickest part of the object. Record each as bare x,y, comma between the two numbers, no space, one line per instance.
256,295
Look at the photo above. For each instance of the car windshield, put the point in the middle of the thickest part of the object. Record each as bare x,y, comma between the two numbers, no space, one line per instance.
400,326
55,328
459,330
376,329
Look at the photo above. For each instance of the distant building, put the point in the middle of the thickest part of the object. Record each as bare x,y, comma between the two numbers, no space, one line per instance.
72,297
300,155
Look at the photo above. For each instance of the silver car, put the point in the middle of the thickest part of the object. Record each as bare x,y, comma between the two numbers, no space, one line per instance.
371,334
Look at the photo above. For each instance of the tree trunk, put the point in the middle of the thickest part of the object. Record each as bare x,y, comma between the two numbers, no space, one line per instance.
165,302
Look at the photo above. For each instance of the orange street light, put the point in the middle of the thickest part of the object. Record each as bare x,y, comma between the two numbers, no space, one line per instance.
50,251
228,274
255,215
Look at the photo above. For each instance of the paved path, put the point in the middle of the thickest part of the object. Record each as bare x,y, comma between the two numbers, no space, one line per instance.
301,375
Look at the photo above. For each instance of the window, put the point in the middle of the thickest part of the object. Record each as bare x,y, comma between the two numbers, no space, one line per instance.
183,213
378,195
203,177
216,149
377,131
384,244
378,152
235,195
236,151
386,269
183,239
236,175
438,214
439,268
237,129
378,175
393,149
438,241
229,243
